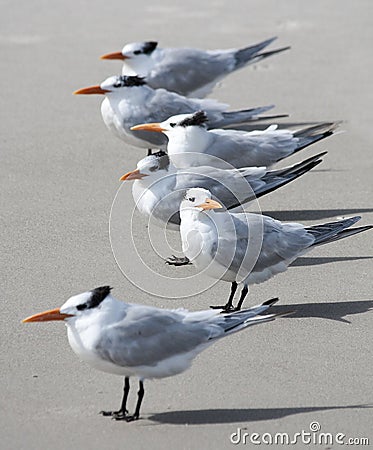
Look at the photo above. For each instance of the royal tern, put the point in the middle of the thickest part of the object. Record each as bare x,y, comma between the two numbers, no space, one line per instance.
159,187
247,248
190,142
129,101
186,71
142,341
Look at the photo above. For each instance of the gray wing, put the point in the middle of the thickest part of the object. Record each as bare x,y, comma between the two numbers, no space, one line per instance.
186,71
234,187
148,335
189,71
272,245
229,187
282,243
245,149
165,104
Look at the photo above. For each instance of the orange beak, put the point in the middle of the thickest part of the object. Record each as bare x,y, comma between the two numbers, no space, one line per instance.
149,127
46,316
116,55
134,175
210,204
90,90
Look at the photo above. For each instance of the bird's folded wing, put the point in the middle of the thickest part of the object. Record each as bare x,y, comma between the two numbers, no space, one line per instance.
229,187
267,247
166,104
190,69
251,148
147,336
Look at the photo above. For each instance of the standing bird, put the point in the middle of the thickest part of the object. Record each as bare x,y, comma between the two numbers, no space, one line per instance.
187,71
142,341
191,143
247,248
159,187
129,101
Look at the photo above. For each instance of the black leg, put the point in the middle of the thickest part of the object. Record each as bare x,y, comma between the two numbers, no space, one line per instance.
150,151
121,414
228,306
244,292
140,396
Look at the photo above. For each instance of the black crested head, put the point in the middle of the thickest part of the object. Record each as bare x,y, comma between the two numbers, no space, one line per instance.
160,153
163,159
98,295
160,160
129,81
149,47
198,119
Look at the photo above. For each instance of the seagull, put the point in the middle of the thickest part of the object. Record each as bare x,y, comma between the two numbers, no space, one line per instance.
191,143
142,341
247,248
129,101
159,187
187,71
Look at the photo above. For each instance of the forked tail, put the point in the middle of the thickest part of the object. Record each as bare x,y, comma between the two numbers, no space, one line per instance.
333,231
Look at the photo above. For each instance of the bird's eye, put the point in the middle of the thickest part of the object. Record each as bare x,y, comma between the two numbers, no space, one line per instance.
153,168
81,307
172,125
191,199
136,52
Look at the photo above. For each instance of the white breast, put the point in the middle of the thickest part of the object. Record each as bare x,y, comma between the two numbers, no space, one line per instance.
155,197
199,237
187,145
118,115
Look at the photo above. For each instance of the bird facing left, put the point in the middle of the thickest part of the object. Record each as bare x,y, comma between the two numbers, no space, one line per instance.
146,342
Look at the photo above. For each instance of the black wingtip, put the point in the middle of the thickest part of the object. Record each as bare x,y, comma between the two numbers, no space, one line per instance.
354,219
306,165
270,40
273,52
319,155
362,228
270,302
276,116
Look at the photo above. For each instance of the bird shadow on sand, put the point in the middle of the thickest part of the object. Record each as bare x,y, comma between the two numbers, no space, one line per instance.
220,416
316,261
333,311
315,214
329,170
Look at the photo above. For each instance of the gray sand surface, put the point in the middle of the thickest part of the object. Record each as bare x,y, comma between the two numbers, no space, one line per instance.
59,174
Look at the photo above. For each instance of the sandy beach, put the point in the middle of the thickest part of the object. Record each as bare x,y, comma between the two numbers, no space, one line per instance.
60,170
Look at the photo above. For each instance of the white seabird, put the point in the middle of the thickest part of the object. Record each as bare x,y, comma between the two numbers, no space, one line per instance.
142,341
187,71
